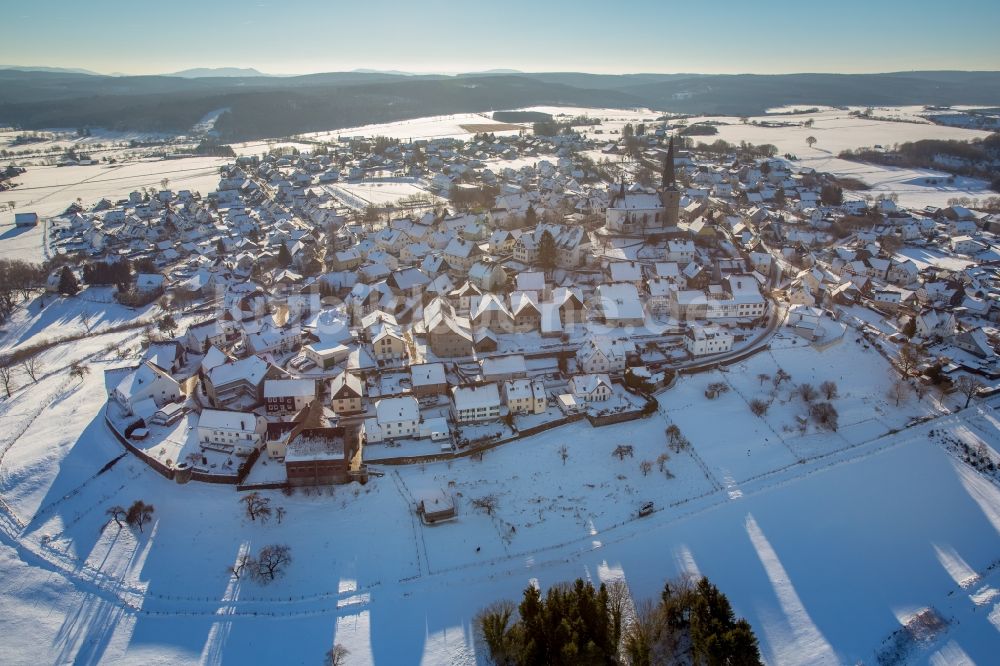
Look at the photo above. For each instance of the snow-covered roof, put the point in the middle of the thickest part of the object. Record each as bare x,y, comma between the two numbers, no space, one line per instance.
475,397
397,409
281,388
250,369
427,374
587,384
504,366
219,419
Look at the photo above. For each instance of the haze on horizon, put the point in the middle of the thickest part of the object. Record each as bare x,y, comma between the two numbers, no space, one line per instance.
435,36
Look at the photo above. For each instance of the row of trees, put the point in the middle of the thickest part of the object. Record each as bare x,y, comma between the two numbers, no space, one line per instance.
107,272
17,280
692,622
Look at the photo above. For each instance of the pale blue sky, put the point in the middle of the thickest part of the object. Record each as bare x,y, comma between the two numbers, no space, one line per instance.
301,36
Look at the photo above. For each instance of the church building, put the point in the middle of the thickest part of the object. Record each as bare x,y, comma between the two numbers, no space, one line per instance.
636,212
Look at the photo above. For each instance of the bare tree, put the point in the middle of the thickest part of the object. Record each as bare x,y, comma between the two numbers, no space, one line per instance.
673,432
279,513
139,514
337,656
646,466
910,357
87,319
32,367
661,461
117,514
564,453
899,391
487,503
759,407
718,388
828,389
623,450
763,377
825,415
257,506
79,370
969,387
272,562
780,376
245,563
807,392
676,441
811,140
6,375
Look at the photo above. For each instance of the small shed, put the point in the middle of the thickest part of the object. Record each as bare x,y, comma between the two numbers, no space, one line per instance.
25,219
435,506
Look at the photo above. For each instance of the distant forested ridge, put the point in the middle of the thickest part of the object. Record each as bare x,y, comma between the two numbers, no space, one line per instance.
262,106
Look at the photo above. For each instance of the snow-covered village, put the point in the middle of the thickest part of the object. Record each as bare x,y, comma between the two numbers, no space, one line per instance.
379,394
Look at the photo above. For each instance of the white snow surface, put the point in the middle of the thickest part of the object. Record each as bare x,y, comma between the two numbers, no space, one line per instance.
825,542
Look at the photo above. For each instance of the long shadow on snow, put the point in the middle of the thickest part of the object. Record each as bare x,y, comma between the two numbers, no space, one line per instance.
85,633
82,490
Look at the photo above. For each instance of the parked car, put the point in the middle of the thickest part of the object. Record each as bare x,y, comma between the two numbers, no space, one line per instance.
646,509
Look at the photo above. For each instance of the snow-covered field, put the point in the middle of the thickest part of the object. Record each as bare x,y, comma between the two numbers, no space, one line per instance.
836,131
432,127
49,190
382,192
826,542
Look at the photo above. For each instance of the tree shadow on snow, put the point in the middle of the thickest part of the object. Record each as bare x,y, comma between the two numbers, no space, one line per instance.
85,633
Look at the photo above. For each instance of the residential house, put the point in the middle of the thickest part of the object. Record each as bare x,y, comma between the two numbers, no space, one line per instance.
591,387
146,382
703,340
475,403
397,417
288,396
600,354
346,393
239,384
239,433
524,396
619,304
447,334
935,323
428,379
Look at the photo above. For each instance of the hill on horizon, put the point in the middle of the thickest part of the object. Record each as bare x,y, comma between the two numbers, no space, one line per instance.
263,106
